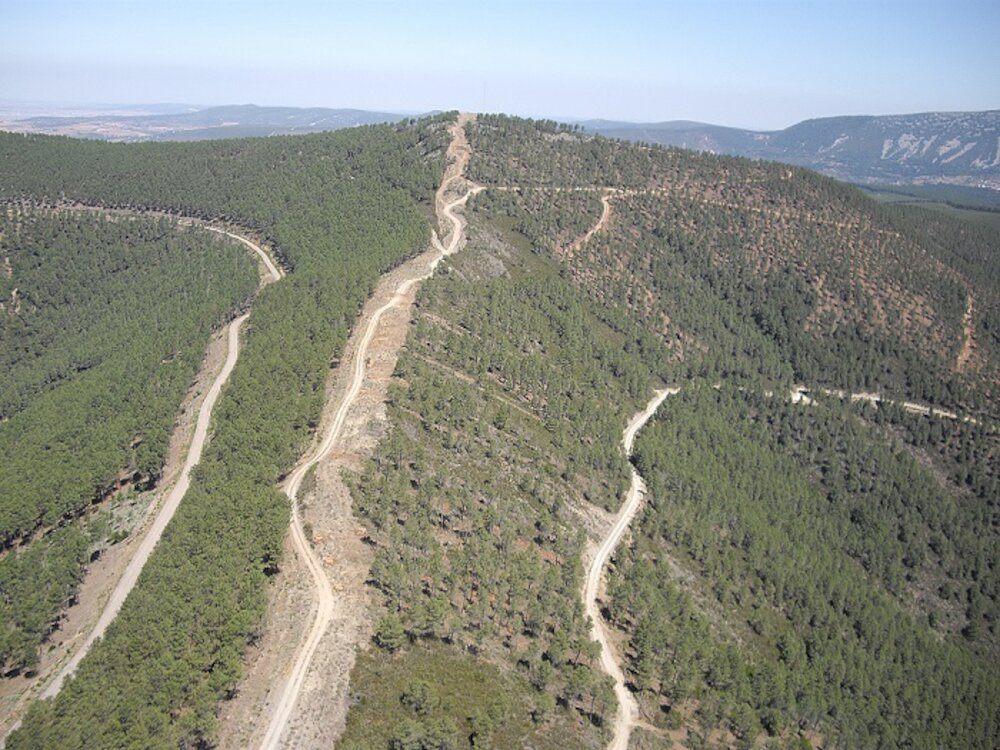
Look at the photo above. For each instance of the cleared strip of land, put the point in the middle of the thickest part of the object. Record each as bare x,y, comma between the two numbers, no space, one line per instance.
326,599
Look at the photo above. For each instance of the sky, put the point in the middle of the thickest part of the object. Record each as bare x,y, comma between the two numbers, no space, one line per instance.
751,63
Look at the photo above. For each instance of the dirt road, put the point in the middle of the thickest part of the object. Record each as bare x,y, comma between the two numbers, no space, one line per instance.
169,507
272,269
152,534
136,564
628,713
326,600
600,226
799,394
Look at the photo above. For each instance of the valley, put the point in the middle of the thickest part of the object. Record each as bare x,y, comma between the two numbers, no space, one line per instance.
182,122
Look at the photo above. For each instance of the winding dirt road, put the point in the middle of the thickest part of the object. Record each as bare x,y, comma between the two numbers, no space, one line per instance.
272,269
627,717
131,575
599,226
326,601
628,713
165,513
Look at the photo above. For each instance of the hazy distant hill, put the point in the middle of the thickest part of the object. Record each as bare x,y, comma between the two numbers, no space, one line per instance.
200,124
699,136
960,148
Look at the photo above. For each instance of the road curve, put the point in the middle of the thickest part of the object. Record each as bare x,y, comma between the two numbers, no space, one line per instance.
599,226
325,604
166,512
264,257
628,713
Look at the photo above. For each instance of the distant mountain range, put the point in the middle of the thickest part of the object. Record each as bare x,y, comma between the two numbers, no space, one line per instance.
234,121
960,148
954,148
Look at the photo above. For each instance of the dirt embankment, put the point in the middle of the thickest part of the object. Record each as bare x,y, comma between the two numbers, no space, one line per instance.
968,338
295,688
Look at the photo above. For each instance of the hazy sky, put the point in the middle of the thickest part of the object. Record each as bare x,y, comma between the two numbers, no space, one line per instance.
754,63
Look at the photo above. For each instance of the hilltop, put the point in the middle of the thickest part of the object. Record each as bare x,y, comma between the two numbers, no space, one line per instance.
958,150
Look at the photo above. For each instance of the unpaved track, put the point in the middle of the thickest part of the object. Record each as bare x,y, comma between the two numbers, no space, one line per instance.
166,512
264,257
799,394
600,226
131,575
326,601
136,564
654,191
627,717
628,710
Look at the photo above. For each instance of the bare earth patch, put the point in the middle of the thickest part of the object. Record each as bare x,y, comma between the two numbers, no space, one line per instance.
968,338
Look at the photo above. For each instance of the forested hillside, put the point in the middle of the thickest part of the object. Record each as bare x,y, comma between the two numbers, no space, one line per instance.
505,428
103,324
781,579
808,573
340,209
763,269
803,575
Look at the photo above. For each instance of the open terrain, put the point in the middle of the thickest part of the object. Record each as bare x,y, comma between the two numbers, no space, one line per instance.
184,123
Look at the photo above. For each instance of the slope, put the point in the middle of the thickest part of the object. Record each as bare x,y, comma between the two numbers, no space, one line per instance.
594,272
754,269
157,675
92,388
952,148
402,295
727,261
